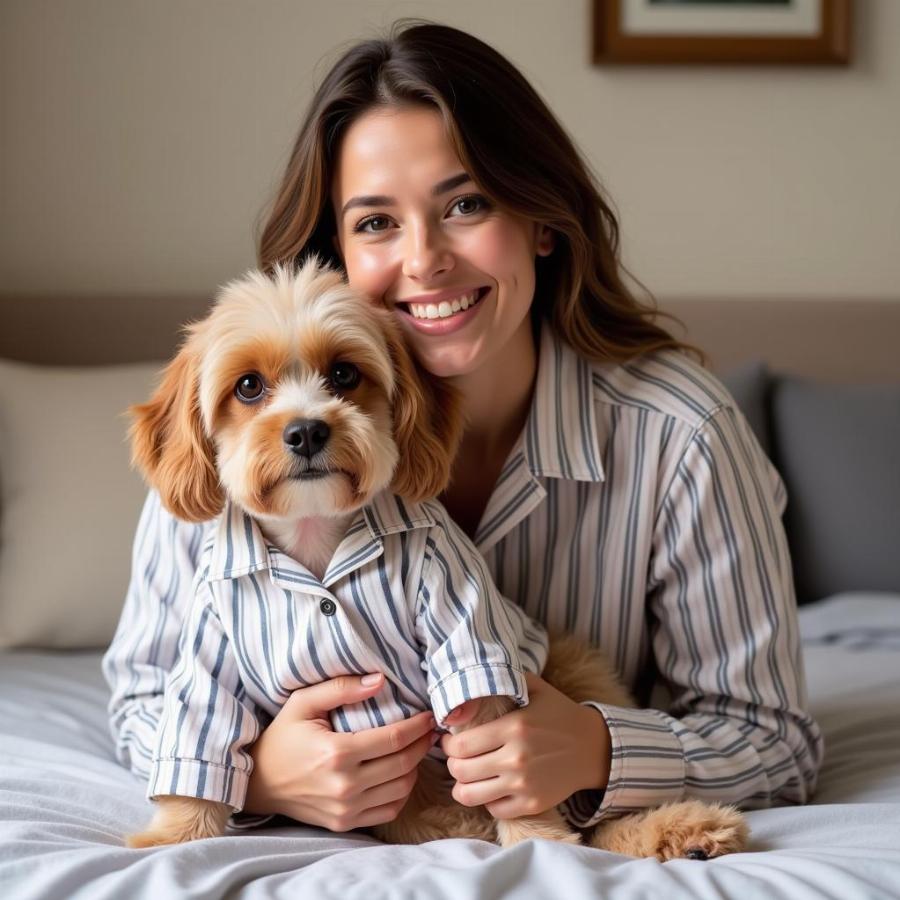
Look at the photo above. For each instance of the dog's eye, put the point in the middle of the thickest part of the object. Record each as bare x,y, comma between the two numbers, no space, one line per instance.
344,376
249,387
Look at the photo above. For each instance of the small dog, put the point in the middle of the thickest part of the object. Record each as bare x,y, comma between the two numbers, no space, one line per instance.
296,404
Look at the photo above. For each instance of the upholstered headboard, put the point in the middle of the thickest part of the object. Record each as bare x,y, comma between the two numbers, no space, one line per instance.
841,340
65,481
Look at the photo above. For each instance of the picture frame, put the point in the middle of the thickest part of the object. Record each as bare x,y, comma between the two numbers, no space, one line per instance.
721,32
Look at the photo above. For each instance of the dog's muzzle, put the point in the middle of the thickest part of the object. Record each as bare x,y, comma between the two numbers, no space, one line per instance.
306,437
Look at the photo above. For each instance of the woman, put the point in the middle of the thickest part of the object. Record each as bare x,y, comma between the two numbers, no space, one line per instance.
610,482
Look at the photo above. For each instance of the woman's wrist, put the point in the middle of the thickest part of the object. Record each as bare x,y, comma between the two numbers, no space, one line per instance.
258,800
598,746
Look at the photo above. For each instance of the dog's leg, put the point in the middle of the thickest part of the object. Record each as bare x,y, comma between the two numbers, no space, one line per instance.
180,819
431,814
583,672
687,829
550,824
691,828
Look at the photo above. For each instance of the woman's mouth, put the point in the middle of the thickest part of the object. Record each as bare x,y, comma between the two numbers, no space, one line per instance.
445,316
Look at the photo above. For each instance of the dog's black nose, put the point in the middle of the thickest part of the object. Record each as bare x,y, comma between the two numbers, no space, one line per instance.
306,437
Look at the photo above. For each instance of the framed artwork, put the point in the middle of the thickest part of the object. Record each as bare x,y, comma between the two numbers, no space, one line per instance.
722,31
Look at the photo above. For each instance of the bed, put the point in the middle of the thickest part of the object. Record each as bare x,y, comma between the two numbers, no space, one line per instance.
65,802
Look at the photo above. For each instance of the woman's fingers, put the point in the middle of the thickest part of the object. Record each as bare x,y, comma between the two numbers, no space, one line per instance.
379,815
477,740
384,769
316,701
389,792
378,742
463,713
476,768
480,792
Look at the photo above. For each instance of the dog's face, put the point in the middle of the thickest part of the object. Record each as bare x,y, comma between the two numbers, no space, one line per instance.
295,397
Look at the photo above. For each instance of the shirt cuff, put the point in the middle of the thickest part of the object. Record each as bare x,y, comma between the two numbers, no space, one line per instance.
241,821
198,778
473,682
646,766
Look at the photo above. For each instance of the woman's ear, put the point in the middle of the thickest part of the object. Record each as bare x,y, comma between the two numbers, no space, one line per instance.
428,426
169,446
546,240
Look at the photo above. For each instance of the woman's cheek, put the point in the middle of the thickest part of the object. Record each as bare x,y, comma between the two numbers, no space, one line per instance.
500,248
368,271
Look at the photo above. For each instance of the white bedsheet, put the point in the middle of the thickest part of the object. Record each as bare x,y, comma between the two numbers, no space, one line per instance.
65,804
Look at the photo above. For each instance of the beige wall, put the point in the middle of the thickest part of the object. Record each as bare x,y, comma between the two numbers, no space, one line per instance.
140,141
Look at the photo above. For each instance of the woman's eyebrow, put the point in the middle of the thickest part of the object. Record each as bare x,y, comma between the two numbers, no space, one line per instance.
382,200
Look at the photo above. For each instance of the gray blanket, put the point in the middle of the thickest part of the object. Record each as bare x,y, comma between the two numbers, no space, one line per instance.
65,804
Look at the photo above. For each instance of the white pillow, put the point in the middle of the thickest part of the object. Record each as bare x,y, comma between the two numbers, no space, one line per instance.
69,501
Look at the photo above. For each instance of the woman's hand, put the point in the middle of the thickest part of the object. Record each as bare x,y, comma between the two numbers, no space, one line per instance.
303,769
531,759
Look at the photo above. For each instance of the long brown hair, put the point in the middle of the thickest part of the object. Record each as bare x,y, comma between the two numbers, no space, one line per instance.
512,146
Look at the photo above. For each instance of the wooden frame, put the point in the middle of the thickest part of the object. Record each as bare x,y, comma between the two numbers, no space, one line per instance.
612,45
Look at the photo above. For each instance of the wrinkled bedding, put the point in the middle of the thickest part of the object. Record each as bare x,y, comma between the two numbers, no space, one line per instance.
65,803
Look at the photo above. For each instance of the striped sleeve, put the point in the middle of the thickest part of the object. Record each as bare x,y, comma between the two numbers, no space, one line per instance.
205,726
725,638
144,648
467,631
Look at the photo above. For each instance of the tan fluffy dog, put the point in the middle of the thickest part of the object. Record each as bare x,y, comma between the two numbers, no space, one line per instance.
301,346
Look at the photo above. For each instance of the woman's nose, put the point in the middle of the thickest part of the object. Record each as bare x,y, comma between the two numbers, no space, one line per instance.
426,254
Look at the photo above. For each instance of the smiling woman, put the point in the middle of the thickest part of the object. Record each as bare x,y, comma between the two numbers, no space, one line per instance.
427,241
610,485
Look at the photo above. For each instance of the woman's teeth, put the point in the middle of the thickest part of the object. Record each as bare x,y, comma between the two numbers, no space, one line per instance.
445,308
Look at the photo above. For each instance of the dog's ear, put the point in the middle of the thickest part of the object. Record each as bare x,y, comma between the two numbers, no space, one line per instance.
428,426
169,446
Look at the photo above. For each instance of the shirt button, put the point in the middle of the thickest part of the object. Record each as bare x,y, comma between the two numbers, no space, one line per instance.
328,607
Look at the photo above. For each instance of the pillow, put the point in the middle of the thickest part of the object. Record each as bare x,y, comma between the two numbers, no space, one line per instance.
69,502
838,450
749,385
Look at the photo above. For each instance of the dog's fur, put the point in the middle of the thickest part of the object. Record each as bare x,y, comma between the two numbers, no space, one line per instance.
196,442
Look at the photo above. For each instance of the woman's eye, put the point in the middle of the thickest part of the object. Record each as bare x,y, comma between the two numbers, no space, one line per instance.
344,376
377,223
249,387
469,204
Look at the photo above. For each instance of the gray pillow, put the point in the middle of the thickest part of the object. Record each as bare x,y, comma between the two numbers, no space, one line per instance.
749,385
838,449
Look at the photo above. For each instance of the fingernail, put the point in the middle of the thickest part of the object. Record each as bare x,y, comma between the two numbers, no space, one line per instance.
369,680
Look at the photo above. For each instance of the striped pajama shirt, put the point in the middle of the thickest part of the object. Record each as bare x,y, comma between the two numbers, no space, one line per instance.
406,594
636,510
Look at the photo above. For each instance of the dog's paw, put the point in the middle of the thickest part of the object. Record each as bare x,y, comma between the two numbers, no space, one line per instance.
514,831
182,819
686,830
152,838
695,830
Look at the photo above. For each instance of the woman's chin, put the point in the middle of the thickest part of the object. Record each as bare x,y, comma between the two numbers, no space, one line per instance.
448,361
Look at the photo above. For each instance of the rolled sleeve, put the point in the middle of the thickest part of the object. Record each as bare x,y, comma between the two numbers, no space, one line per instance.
144,648
200,779
476,681
647,765
471,636
205,726
725,637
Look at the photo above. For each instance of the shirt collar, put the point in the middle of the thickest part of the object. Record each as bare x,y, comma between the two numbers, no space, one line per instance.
239,546
561,438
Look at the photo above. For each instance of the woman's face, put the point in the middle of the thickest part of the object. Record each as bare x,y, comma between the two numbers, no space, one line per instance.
416,234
